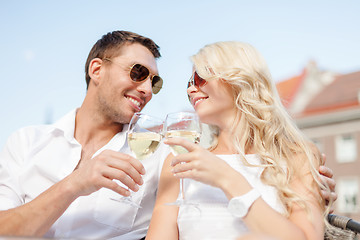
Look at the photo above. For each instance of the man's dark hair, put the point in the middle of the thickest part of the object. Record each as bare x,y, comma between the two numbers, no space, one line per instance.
110,45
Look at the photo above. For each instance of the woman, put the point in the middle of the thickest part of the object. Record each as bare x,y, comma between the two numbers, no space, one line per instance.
260,177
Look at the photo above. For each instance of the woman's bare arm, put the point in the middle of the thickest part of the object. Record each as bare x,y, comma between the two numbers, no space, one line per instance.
163,223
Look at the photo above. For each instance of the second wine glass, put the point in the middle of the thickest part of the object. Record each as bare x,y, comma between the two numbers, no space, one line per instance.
185,125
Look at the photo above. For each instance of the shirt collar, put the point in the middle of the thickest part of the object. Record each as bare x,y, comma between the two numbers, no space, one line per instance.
66,125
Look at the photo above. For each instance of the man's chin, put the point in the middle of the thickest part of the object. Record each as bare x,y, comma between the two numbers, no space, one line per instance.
128,118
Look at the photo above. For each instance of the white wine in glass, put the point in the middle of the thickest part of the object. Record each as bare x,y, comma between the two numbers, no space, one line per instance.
192,136
143,144
184,125
144,137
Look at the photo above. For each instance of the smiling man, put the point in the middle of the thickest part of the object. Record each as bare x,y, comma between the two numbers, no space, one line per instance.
60,180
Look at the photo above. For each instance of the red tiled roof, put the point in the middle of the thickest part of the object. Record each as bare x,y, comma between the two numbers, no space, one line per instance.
340,94
287,89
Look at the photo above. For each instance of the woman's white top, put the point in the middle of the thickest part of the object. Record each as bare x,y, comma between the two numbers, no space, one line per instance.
208,217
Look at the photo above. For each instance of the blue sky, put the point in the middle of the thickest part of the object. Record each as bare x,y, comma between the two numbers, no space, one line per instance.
44,45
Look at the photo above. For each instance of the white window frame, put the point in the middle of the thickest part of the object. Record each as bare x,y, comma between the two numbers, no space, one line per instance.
348,191
346,148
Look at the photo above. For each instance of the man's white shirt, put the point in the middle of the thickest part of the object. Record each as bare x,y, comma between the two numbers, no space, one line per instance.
37,157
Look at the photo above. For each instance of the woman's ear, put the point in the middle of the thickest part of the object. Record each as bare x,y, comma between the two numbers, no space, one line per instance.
94,70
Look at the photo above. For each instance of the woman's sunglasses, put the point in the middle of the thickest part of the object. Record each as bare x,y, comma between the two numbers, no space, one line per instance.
139,73
196,81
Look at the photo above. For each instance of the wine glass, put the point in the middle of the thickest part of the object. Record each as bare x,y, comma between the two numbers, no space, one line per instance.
144,136
185,125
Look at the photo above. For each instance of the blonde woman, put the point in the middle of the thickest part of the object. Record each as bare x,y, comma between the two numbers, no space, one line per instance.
260,177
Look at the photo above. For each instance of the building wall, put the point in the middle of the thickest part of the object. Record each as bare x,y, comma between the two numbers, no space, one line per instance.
346,174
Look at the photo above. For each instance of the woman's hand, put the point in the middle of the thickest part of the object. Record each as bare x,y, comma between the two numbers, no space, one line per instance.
199,164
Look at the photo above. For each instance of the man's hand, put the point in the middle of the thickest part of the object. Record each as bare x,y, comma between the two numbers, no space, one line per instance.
101,170
327,178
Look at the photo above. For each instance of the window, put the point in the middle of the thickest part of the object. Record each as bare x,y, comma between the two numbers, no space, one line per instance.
345,148
348,192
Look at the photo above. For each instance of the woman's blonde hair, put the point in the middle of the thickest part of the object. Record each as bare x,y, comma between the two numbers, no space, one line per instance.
265,126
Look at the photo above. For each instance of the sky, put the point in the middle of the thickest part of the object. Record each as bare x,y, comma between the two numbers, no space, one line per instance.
44,45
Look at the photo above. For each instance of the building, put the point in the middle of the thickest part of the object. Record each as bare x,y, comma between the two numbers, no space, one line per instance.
326,107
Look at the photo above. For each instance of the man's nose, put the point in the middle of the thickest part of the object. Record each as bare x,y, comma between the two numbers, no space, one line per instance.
145,87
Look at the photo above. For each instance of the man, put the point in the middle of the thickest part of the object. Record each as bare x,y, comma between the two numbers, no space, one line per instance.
57,180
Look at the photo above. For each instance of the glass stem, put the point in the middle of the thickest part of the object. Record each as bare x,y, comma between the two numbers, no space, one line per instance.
182,194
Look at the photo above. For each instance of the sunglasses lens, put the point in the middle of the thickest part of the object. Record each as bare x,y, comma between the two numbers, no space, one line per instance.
157,83
139,73
198,81
189,83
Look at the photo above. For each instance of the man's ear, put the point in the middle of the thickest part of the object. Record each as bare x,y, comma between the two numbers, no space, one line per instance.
94,70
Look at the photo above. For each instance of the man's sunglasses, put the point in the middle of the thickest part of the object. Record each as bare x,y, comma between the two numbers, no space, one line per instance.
196,81
139,73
